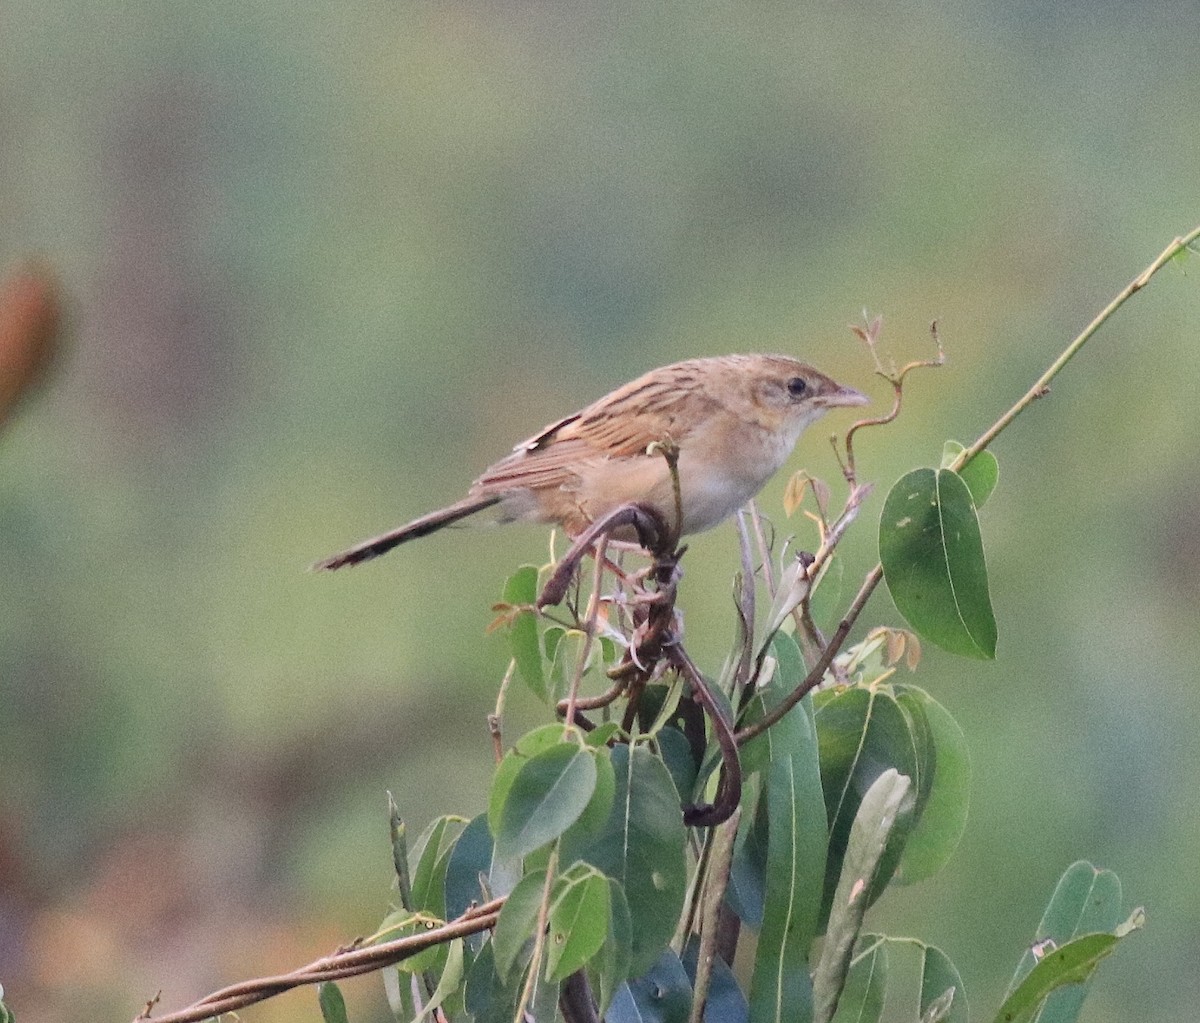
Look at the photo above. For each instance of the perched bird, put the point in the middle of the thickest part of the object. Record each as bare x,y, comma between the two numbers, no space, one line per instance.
731,422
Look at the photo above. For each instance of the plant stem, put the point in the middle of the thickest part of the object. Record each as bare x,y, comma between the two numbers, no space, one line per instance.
813,679
1039,387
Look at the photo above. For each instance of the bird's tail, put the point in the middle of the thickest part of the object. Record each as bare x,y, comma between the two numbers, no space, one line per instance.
418,527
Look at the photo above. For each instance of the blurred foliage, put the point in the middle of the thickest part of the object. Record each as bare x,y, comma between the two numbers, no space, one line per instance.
329,263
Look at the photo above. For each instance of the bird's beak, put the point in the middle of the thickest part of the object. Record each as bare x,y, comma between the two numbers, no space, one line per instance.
843,396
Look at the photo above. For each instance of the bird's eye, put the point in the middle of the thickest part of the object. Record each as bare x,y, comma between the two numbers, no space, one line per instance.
797,386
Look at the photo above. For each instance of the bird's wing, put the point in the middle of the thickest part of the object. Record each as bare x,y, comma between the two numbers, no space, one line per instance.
623,424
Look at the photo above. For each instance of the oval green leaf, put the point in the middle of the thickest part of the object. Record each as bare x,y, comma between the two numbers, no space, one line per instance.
862,733
579,918
1086,900
610,966
945,791
932,557
642,846
333,1005
662,995
943,997
528,746
514,934
547,796
521,588
470,858
980,474
866,982
1072,963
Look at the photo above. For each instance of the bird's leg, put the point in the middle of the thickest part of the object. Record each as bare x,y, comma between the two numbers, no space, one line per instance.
652,533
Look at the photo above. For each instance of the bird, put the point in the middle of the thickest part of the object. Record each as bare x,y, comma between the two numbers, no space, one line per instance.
728,423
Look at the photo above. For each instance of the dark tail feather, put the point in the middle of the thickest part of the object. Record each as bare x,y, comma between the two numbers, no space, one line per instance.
426,524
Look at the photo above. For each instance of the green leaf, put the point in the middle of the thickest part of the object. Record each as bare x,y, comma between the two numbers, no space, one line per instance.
862,733
825,602
882,807
547,796
433,851
610,966
943,997
600,805
866,982
579,918
527,747
487,998
333,1005
514,935
726,1003
662,995
399,836
1086,900
980,474
448,983
603,733
641,845
942,818
676,753
780,987
521,588
932,557
746,894
1072,963
470,858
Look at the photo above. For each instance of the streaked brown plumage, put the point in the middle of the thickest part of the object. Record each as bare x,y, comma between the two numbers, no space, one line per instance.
733,419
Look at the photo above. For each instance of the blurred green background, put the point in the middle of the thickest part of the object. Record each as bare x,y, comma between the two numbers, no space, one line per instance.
327,263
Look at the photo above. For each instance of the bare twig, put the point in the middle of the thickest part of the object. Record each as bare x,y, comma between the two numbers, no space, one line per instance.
1043,382
589,632
350,963
539,938
716,881
745,608
813,678
593,702
895,377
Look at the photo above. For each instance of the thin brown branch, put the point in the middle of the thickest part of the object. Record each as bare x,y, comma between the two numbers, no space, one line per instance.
813,679
1042,383
337,966
589,631
745,607
593,702
896,379
539,937
716,882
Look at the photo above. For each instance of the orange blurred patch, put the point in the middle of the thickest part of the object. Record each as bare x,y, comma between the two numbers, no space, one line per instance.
30,323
